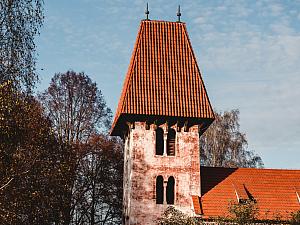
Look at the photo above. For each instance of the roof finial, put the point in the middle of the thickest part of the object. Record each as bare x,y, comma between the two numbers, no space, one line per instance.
147,12
178,13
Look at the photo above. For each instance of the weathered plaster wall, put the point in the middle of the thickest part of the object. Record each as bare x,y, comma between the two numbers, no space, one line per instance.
142,167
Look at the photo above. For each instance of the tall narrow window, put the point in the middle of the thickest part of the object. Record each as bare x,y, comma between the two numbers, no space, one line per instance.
171,142
159,141
159,190
170,190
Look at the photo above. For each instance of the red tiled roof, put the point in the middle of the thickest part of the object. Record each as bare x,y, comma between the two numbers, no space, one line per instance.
163,77
297,190
240,191
273,189
196,204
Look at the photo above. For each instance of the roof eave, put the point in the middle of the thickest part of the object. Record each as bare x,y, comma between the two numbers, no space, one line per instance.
119,125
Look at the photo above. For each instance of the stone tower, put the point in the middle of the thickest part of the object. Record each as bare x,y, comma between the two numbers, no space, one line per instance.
163,110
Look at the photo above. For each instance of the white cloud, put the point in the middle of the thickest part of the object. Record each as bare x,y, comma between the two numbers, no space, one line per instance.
200,20
253,64
248,52
276,9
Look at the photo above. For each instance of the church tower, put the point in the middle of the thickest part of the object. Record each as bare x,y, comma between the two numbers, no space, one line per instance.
163,110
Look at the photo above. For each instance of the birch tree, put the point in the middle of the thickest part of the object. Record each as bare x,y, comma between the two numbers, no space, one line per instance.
20,21
223,144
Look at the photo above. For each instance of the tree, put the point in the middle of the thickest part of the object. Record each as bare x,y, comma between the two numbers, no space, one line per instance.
31,161
78,113
173,216
295,220
20,21
75,106
223,144
243,213
97,193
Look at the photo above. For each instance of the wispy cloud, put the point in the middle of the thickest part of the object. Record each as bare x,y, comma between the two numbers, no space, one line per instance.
255,55
276,9
248,52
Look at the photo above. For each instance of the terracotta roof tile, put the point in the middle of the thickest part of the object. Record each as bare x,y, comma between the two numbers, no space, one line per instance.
240,191
197,204
297,190
163,77
273,189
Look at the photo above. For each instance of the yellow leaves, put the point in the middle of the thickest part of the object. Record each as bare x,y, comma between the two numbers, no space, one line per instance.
6,83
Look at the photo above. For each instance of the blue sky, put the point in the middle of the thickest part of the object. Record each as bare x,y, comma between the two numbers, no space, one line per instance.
248,53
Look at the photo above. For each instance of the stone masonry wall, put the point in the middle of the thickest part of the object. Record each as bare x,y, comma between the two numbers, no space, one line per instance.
142,166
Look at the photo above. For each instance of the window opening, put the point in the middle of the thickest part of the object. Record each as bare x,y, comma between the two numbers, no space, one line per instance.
170,190
171,142
159,141
159,190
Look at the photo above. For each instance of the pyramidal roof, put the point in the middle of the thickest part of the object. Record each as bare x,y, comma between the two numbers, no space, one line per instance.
163,77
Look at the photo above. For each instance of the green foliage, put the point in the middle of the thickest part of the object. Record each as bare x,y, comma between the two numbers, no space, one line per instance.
243,213
295,220
173,216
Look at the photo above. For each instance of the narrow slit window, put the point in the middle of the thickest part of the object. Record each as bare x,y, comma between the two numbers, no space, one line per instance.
171,142
159,141
170,190
159,190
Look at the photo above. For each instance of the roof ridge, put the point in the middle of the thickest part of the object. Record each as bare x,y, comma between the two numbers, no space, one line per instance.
248,168
273,190
162,21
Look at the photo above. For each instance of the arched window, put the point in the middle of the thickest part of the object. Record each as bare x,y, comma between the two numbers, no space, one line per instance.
159,141
171,142
170,190
159,190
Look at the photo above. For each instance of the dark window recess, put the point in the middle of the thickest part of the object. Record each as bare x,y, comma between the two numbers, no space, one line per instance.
159,141
159,190
171,142
123,218
170,190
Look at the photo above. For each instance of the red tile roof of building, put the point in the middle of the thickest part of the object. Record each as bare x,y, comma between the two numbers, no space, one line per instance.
240,191
163,77
273,189
196,204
